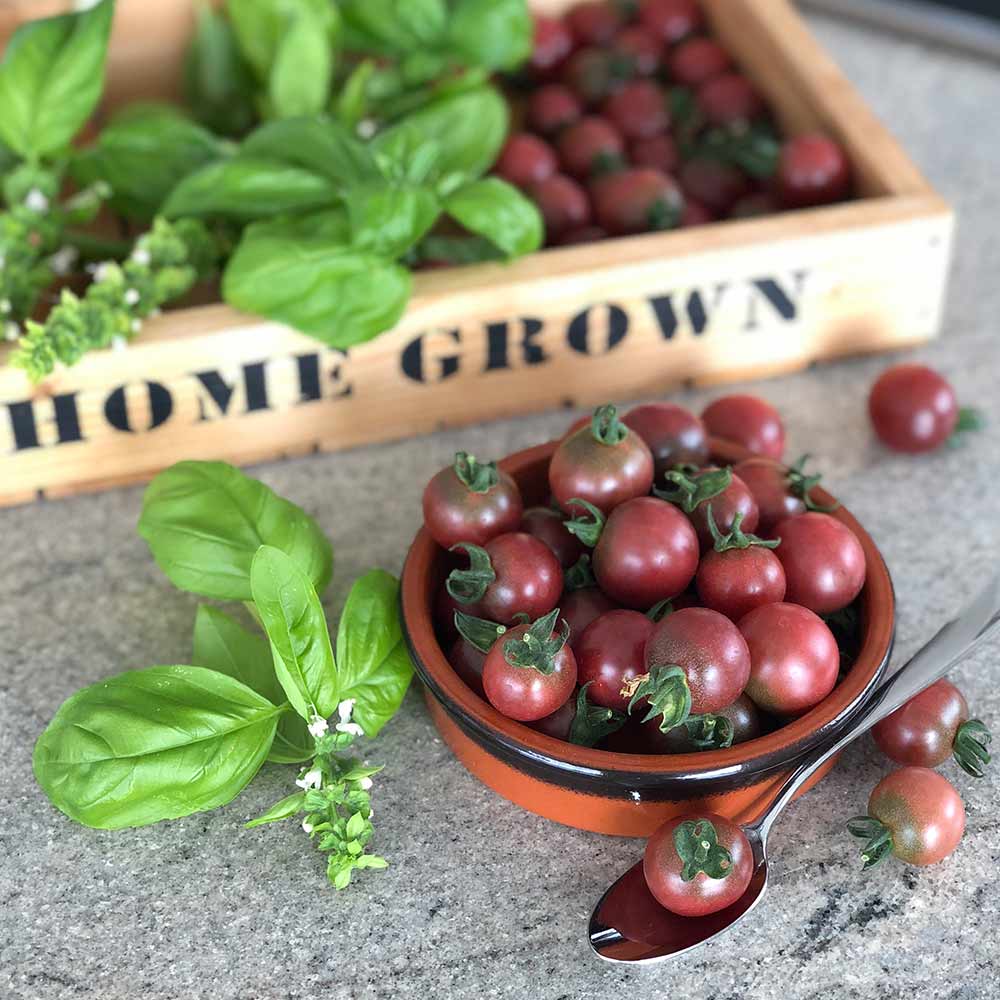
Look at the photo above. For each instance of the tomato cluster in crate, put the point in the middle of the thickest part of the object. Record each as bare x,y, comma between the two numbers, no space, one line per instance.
636,119
660,603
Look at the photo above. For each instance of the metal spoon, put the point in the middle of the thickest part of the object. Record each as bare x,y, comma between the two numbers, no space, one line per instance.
628,926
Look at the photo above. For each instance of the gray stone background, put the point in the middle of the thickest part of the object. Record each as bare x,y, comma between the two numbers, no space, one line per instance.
483,899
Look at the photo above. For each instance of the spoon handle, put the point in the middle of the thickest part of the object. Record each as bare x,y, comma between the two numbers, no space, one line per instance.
931,662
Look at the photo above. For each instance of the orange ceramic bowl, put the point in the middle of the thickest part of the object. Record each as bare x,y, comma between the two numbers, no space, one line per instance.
620,793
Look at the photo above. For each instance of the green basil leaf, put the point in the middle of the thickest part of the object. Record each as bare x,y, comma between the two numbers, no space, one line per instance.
286,808
296,625
340,295
51,79
246,187
391,26
261,25
388,220
299,81
496,34
497,210
222,644
204,521
218,84
469,128
373,664
352,101
142,154
153,744
320,145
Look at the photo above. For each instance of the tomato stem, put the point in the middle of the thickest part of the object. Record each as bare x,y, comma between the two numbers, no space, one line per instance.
800,485
469,585
478,632
686,492
667,693
736,538
970,745
969,419
877,837
479,477
593,722
606,427
587,528
710,732
580,575
538,647
659,611
697,845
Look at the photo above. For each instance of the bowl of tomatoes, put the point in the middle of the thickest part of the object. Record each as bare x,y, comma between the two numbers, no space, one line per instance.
641,619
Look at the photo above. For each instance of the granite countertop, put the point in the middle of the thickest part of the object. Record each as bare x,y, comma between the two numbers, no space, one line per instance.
482,899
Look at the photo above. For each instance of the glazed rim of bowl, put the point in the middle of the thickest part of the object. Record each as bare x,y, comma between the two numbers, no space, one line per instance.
765,753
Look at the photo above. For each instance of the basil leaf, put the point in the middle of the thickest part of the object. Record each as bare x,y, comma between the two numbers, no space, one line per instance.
373,665
388,220
300,641
320,145
246,187
340,295
261,25
222,644
218,85
153,744
391,26
290,805
469,128
496,34
142,154
299,81
51,79
497,210
204,521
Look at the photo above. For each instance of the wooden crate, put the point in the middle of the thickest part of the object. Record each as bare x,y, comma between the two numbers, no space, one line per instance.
567,326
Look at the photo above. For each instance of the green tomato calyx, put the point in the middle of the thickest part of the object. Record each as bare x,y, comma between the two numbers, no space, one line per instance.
478,632
478,477
687,492
970,745
469,585
606,427
593,722
587,526
800,485
539,646
697,845
666,690
877,837
736,538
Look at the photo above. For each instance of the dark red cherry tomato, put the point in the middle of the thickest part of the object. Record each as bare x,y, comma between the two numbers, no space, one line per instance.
914,409
512,574
725,492
695,213
593,22
549,526
553,107
812,170
658,152
530,671
581,607
559,723
823,561
552,45
641,47
589,144
931,727
610,653
563,203
581,234
592,74
739,722
914,814
525,160
749,421
647,552
780,492
717,185
471,501
675,436
604,463
697,61
739,573
637,200
467,662
794,658
671,20
730,99
638,110
698,864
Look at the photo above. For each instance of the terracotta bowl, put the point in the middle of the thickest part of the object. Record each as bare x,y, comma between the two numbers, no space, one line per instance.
618,793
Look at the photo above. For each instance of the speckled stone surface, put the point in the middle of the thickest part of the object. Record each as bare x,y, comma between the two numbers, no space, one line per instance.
484,900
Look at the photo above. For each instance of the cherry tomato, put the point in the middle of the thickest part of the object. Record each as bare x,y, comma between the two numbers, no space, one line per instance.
530,671
647,552
697,61
671,20
737,580
563,203
812,170
659,152
471,501
698,864
512,574
675,436
589,144
604,463
780,492
695,212
823,561
749,421
741,720
581,234
914,409
549,526
730,99
593,22
467,662
580,608
610,653
641,47
717,185
559,723
725,492
914,814
637,200
592,74
525,160
638,110
794,658
553,107
931,727
552,44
